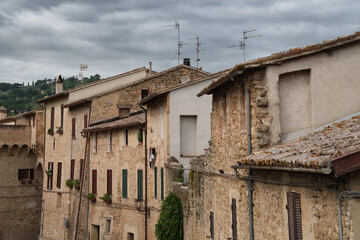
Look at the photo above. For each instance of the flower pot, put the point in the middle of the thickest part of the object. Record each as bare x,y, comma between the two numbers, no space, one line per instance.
92,199
50,133
59,131
23,181
30,181
107,201
77,187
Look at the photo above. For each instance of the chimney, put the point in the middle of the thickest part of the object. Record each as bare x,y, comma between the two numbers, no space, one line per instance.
150,68
124,111
187,61
3,113
59,84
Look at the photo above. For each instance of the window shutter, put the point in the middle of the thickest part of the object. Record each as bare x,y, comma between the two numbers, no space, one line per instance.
294,216
162,183
155,182
94,181
34,121
124,183
96,142
52,118
72,169
62,116
140,184
19,174
81,169
85,121
58,183
109,181
48,177
211,225
126,137
73,127
234,222
31,174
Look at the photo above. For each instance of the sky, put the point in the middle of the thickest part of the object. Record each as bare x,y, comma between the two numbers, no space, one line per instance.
44,38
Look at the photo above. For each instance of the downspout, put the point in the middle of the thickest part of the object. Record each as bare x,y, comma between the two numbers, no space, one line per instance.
43,209
350,194
249,184
82,176
146,206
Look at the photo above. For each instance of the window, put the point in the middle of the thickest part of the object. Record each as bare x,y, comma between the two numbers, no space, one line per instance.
62,116
162,122
130,236
162,183
52,118
73,133
211,225
94,181
109,181
34,120
124,183
50,175
26,174
294,216
108,226
155,124
58,182
188,136
144,93
140,184
85,120
94,142
72,169
109,141
81,169
234,222
155,182
140,136
126,137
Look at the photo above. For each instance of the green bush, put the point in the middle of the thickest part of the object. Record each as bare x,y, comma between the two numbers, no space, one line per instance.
170,225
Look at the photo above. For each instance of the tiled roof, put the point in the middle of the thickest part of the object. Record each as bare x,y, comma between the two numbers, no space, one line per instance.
130,121
315,150
281,56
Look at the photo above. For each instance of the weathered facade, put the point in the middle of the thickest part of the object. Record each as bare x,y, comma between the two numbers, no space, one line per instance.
21,161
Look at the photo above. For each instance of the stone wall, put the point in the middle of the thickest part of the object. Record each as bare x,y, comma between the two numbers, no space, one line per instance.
15,135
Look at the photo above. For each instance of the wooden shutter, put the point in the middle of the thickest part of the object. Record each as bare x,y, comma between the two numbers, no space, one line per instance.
211,225
140,184
72,169
294,216
52,118
48,177
162,183
94,181
126,137
58,182
234,222
109,181
155,182
96,141
81,169
85,121
31,174
62,116
73,127
124,183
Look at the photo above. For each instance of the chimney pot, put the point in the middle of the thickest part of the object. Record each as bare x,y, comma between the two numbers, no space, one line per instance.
187,61
124,111
59,84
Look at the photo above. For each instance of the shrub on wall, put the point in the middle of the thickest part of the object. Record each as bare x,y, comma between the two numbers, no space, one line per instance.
171,219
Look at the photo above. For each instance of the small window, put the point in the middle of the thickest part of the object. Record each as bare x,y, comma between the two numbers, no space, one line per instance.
94,181
294,216
59,172
94,142
212,225
108,226
140,136
126,137
62,116
49,174
26,174
109,181
85,121
72,169
109,141
130,236
73,129
52,118
140,184
144,93
124,183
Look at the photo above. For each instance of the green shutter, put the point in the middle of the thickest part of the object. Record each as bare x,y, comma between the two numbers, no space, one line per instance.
162,184
124,183
155,182
140,184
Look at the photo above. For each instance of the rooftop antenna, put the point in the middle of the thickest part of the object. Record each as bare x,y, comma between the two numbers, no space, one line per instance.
180,43
198,44
83,67
242,44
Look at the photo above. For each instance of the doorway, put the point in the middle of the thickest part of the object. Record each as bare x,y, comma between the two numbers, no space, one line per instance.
95,232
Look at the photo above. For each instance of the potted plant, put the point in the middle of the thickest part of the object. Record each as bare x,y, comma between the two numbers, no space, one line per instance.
30,181
59,130
106,198
23,181
69,183
92,197
140,137
50,131
76,184
49,172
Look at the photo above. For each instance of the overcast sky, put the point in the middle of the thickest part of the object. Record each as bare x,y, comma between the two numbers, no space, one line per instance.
44,38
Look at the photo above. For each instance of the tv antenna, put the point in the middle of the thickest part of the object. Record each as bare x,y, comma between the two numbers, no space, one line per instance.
83,67
198,44
180,43
242,44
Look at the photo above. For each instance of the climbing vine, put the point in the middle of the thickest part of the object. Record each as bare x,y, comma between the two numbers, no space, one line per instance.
171,220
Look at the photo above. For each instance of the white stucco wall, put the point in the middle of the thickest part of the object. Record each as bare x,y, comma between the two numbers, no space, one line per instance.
184,101
334,87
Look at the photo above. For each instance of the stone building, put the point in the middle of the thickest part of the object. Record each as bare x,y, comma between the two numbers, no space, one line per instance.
281,99
21,165
67,146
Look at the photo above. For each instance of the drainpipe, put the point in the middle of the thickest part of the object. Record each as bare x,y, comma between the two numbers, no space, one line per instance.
146,166
249,184
345,194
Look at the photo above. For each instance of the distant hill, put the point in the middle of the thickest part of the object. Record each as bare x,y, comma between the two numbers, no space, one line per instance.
19,98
